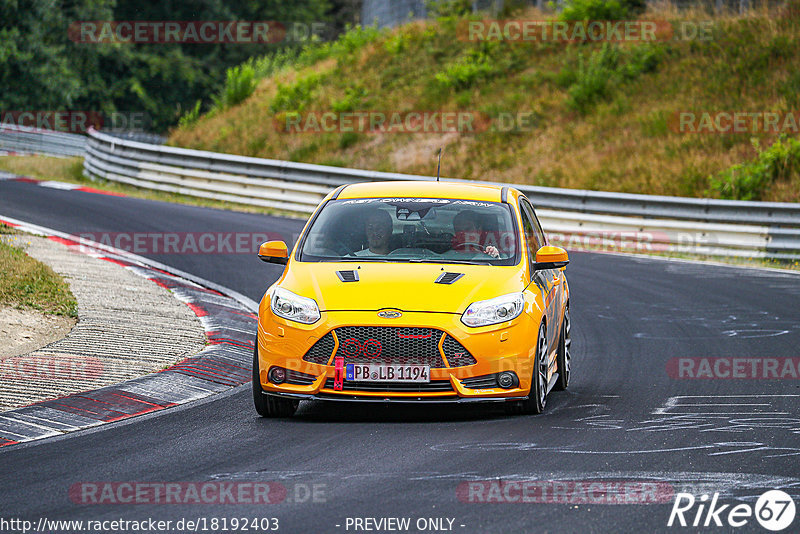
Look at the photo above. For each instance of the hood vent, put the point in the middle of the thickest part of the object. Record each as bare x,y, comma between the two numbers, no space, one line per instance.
347,276
448,278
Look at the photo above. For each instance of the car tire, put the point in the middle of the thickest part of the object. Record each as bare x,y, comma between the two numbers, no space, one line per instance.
537,398
563,355
269,405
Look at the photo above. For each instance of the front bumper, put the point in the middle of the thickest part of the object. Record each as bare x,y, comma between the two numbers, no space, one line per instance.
495,348
349,397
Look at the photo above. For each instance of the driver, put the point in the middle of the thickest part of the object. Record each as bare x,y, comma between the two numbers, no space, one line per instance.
378,227
469,233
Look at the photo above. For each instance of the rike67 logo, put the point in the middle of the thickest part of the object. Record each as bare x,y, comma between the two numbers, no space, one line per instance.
774,510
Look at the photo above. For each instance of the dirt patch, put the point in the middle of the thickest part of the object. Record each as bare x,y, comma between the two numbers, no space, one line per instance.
24,331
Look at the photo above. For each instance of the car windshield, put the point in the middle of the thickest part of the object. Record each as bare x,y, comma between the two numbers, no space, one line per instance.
429,230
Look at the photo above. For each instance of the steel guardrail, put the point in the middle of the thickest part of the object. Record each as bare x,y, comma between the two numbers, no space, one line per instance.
716,227
25,140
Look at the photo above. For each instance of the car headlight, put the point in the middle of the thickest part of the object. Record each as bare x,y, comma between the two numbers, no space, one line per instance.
286,304
493,311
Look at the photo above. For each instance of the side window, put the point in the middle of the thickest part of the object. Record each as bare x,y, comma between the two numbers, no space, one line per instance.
530,234
541,240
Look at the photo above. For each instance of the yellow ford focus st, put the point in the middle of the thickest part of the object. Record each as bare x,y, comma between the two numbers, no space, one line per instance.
415,292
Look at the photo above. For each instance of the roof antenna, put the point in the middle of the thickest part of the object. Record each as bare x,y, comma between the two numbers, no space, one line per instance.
439,167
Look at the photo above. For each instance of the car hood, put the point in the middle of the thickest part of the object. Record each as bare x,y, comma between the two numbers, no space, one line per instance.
404,286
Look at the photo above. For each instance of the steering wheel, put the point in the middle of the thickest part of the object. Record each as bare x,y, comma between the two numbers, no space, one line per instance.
339,248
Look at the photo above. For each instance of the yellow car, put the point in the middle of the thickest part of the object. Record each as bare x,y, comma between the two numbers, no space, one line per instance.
415,292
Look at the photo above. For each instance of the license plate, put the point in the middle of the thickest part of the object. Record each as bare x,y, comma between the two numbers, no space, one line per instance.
356,372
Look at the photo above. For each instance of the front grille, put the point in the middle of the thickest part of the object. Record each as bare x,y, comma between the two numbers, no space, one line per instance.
390,345
321,351
298,378
395,387
456,354
480,382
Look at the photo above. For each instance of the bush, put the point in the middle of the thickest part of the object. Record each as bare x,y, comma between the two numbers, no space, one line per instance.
294,97
349,139
448,8
748,181
604,69
240,82
602,9
592,78
352,100
465,72
594,10
477,64
191,116
354,38
266,66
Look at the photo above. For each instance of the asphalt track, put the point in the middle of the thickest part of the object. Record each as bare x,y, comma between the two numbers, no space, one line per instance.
623,419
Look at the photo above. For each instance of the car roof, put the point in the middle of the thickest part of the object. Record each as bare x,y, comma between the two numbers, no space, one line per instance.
426,189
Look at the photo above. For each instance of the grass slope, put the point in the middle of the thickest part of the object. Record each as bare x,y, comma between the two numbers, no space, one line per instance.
602,114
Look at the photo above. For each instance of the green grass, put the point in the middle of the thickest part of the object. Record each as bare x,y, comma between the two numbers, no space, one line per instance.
29,284
748,181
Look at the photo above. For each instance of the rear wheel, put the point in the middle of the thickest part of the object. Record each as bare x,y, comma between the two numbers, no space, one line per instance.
537,398
563,358
269,405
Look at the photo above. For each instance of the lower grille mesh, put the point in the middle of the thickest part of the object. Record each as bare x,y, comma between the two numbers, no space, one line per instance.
457,355
298,378
322,350
480,382
390,345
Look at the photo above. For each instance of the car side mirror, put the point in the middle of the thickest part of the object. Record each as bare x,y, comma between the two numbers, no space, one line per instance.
274,252
550,258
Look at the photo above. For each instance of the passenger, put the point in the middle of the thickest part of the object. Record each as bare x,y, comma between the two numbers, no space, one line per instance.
378,228
469,234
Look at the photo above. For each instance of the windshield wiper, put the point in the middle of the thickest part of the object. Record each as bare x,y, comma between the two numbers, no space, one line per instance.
465,262
349,258
402,260
436,260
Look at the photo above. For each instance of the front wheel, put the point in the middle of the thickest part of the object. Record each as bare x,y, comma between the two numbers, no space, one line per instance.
269,405
563,357
537,398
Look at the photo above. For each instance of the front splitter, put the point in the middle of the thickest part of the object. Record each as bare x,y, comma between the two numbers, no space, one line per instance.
394,400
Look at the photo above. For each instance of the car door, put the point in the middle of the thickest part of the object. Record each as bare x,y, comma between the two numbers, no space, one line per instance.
556,276
541,281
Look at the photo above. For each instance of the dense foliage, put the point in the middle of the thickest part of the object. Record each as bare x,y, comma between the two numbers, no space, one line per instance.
41,68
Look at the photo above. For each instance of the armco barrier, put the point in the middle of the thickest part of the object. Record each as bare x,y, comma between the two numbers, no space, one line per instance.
26,140
702,226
